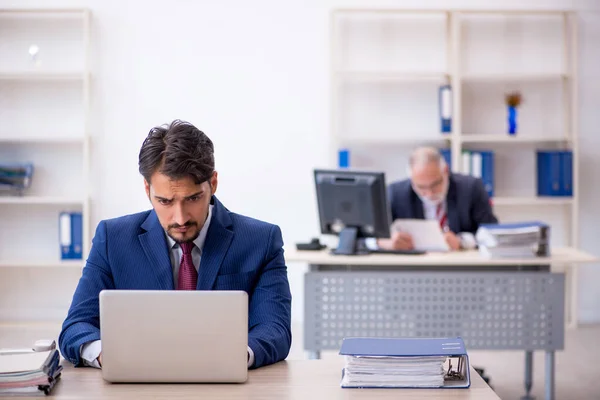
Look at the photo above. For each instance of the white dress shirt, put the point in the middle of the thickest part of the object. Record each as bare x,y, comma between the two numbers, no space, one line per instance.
91,350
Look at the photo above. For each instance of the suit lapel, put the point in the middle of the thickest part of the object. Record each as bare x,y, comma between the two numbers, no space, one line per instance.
218,240
452,207
416,205
154,243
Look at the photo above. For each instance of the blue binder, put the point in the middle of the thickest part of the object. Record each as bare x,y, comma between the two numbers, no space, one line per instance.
482,167
71,235
344,158
487,171
413,347
566,168
445,104
549,173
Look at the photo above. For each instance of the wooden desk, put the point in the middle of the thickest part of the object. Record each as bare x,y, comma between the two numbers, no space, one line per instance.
302,380
499,304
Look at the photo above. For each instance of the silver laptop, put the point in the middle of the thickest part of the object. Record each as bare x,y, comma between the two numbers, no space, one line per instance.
174,336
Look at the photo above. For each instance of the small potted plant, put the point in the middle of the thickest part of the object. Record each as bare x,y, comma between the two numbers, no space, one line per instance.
513,100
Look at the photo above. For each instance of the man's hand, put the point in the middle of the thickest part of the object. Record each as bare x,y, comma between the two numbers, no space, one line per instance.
452,240
398,241
100,359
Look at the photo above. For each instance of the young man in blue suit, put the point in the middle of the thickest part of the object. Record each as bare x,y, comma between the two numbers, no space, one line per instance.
188,241
459,202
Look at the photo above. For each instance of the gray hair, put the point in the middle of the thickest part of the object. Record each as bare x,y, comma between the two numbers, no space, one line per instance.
422,156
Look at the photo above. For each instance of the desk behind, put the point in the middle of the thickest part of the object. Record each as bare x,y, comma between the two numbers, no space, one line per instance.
301,380
563,255
562,259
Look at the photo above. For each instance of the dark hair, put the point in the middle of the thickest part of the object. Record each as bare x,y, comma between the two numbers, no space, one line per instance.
177,150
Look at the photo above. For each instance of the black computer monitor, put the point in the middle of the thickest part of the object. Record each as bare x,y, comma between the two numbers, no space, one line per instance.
353,205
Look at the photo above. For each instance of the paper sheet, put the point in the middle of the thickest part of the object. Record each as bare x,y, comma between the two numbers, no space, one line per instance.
426,233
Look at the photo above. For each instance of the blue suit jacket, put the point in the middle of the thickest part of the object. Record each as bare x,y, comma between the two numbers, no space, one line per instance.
239,253
467,202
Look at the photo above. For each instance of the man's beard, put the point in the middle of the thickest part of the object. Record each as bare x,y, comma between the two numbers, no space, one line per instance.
439,198
189,223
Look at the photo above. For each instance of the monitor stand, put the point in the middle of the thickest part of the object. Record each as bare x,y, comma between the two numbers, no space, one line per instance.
349,244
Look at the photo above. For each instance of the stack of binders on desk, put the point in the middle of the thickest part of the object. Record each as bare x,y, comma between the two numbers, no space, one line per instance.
15,177
30,373
405,363
517,240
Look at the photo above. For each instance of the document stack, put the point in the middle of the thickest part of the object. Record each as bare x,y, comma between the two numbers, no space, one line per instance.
405,363
518,240
29,373
15,177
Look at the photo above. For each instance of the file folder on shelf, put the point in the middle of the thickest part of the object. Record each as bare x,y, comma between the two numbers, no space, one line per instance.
405,363
555,173
482,167
71,235
566,168
445,108
344,158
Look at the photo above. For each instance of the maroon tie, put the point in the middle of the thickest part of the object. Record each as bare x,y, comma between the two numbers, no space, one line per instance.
441,216
188,276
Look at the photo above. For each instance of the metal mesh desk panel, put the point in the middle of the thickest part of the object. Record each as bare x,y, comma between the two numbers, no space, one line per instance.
489,310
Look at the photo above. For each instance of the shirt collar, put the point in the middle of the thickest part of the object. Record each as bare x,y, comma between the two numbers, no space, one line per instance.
199,241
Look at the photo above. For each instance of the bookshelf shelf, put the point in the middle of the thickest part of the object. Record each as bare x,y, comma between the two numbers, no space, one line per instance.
381,140
41,200
505,138
44,140
32,76
500,77
42,264
389,76
532,201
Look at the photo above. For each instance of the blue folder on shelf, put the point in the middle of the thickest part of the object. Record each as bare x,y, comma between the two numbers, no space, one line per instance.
344,158
482,167
555,173
405,363
445,105
70,235
566,168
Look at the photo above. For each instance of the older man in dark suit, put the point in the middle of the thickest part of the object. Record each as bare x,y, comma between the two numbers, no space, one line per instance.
459,202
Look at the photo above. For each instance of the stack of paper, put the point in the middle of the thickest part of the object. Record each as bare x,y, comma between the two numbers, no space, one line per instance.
29,373
404,362
519,240
426,233
394,371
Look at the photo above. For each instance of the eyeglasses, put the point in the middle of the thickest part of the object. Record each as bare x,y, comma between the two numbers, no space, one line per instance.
431,187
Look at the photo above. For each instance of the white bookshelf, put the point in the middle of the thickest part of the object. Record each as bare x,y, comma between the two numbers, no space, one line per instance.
386,69
44,107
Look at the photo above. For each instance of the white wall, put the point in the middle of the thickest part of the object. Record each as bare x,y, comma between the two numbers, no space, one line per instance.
254,77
